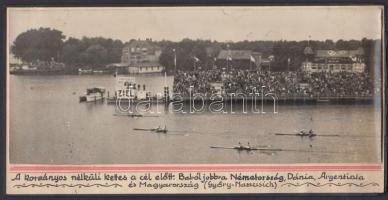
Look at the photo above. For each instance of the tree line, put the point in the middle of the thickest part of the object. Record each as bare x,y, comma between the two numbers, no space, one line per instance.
46,44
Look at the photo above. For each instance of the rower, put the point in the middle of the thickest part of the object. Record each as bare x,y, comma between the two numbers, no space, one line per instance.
240,145
302,133
249,146
311,133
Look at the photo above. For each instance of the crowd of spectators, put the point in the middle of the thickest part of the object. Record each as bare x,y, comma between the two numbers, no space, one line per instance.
281,84
340,84
200,80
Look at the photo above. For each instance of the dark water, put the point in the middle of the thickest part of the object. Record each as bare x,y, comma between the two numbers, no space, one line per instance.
49,126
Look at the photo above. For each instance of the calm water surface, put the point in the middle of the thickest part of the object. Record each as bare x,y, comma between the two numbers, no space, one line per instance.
49,126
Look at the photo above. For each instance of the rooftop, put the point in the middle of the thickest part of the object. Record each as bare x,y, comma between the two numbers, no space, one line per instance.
339,53
237,54
141,44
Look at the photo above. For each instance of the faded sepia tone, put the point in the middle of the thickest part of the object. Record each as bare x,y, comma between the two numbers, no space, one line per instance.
224,86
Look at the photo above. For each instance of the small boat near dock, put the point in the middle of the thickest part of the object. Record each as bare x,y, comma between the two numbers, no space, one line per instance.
128,91
84,71
93,95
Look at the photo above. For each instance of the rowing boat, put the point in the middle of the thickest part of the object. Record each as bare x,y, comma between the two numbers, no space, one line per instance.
156,130
246,148
129,115
305,135
268,149
297,134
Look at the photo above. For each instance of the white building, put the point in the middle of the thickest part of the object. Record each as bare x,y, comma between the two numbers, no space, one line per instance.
142,56
335,61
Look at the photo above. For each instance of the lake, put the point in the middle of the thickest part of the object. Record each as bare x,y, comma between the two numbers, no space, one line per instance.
48,125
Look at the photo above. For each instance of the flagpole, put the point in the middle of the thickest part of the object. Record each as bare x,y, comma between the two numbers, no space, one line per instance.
228,57
174,60
227,64
165,77
288,64
269,68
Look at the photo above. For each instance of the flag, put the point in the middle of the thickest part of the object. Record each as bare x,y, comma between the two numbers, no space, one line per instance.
271,58
196,59
174,57
252,59
229,58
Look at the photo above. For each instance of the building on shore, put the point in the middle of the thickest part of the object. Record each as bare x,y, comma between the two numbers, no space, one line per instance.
238,59
37,67
334,61
138,57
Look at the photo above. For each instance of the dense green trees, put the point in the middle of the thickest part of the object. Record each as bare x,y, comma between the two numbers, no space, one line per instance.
45,44
91,52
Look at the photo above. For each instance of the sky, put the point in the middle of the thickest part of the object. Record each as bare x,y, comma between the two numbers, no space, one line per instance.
214,23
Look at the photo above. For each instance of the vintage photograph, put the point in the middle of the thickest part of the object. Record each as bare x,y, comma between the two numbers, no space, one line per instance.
195,86
206,85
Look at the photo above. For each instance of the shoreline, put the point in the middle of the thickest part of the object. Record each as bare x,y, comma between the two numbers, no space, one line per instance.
267,100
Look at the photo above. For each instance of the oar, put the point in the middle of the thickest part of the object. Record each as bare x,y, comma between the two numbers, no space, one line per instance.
298,150
263,146
333,135
285,134
165,133
246,149
144,129
306,135
272,149
135,115
255,147
129,115
217,147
